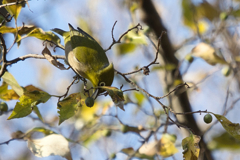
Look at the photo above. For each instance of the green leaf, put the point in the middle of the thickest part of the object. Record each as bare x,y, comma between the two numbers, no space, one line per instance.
139,97
22,108
232,128
14,10
11,81
28,101
124,48
36,110
224,141
135,37
69,106
42,35
39,129
190,147
116,95
167,67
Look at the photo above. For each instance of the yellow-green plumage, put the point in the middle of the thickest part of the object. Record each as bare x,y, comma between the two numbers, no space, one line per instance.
86,57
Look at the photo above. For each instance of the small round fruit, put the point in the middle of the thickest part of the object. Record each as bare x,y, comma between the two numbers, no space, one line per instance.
207,118
3,107
226,71
89,101
189,58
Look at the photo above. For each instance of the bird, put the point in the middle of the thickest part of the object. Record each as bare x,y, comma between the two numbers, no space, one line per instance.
87,58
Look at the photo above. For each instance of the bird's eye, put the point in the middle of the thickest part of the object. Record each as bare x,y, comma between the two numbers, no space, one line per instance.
102,84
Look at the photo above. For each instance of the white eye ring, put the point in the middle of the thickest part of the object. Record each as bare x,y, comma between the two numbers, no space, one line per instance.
102,84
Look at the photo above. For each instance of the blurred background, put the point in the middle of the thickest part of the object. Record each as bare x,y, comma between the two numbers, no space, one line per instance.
99,132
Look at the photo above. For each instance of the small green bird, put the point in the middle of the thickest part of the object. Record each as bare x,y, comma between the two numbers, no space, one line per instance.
87,58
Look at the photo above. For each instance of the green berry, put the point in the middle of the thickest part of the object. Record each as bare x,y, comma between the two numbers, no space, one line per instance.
207,118
89,101
223,16
189,58
226,71
3,107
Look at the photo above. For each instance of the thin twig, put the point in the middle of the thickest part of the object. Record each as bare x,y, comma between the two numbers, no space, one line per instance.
13,3
146,68
4,53
138,27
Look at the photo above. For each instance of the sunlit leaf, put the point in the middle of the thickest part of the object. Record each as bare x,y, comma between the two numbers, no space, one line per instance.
167,67
194,16
124,48
224,141
42,35
208,54
39,129
7,94
135,37
11,81
167,145
139,97
232,128
191,147
69,106
14,10
116,95
36,110
53,144
27,102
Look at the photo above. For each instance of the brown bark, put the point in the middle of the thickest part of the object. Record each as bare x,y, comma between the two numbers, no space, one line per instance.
181,102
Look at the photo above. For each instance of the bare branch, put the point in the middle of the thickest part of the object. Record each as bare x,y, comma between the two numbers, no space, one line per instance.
146,68
13,3
138,27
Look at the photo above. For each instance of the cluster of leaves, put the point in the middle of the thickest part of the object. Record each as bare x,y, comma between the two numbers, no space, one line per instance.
30,96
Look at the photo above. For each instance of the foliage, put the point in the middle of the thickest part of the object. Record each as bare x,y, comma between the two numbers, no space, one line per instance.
94,114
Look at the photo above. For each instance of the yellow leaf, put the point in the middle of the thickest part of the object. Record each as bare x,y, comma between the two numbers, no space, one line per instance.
191,147
167,145
232,128
208,54
14,10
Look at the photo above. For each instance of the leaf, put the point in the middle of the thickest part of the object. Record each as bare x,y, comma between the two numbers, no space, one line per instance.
135,37
21,30
6,94
39,129
14,10
208,54
167,145
194,16
167,67
116,95
139,97
36,110
190,147
69,106
42,35
50,145
11,81
232,128
6,29
224,141
27,103
124,48
47,54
